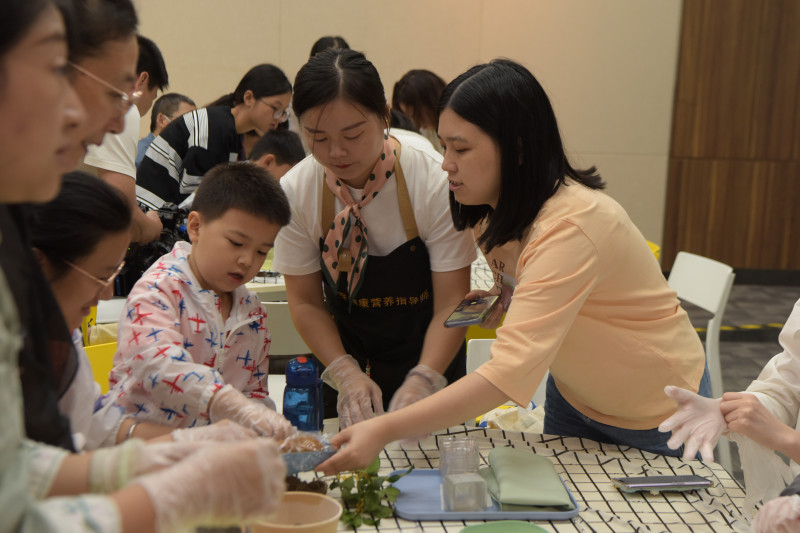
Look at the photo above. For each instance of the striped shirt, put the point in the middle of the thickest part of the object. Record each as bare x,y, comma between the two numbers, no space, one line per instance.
177,160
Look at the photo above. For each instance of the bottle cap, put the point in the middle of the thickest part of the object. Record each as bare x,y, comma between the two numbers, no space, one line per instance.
301,372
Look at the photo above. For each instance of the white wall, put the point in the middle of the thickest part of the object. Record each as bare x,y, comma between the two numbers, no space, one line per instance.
609,67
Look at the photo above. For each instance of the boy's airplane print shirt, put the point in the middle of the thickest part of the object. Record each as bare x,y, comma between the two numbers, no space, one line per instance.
174,352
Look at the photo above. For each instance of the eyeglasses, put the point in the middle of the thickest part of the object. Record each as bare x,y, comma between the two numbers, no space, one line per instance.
103,283
281,115
125,100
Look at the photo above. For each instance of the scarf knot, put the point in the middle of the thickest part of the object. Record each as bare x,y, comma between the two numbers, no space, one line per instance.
352,259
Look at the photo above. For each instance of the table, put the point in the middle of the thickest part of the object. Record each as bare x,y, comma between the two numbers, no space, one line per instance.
586,467
268,288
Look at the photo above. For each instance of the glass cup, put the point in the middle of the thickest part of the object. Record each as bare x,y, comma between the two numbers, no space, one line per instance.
458,456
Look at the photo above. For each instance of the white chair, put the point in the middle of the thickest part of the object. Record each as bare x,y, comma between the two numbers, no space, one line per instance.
285,338
478,353
707,284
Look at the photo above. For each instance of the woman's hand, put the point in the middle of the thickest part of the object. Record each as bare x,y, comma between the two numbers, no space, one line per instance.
746,415
421,381
220,484
698,423
494,318
781,515
364,442
360,398
222,431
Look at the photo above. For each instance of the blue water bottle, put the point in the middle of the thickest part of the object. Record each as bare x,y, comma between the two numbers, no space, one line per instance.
302,397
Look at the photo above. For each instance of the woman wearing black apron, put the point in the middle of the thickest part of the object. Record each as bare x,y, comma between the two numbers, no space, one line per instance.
373,264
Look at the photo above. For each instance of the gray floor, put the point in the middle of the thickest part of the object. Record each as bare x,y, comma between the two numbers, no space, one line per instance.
752,321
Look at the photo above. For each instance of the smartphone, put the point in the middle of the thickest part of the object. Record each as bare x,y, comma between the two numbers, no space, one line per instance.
661,483
471,312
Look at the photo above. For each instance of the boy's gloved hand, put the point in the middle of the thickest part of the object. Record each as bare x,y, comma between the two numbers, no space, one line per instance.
232,404
697,424
222,484
421,381
360,398
222,431
781,515
112,468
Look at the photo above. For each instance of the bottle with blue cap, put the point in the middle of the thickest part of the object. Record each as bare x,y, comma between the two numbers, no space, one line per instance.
302,397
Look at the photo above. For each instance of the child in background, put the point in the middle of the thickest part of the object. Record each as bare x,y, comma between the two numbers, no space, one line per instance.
192,343
277,151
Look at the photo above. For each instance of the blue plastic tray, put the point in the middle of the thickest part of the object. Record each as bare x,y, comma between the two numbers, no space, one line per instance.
420,498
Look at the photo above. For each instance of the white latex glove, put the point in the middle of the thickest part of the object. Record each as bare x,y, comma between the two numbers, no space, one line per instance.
781,515
112,468
222,431
222,484
697,424
360,398
231,404
421,381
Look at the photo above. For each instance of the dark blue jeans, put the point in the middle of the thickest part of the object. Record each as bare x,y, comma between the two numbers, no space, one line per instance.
562,419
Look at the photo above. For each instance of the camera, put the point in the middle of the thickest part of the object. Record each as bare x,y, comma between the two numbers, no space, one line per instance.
141,256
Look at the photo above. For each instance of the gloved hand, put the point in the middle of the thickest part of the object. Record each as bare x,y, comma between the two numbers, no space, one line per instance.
221,484
698,423
421,381
112,468
222,431
358,395
232,404
781,515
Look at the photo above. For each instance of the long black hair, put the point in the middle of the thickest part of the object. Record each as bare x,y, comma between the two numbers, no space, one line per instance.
69,227
335,73
419,91
504,100
262,80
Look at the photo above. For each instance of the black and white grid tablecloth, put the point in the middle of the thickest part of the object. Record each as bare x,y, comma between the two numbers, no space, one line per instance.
587,466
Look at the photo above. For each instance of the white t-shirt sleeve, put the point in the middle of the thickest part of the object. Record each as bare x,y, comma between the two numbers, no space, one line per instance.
117,153
297,245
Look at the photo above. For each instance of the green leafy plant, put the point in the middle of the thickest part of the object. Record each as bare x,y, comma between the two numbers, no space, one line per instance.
364,493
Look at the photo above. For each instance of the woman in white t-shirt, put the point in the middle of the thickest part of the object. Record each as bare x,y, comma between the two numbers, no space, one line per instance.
371,226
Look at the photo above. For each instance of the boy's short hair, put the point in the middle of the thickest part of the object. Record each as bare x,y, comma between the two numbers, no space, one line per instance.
285,145
243,186
168,104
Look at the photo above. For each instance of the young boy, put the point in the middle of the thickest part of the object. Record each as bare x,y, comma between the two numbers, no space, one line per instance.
277,151
192,346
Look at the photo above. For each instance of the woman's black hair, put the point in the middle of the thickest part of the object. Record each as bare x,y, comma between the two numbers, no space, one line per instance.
339,73
70,226
101,21
329,41
418,92
504,100
262,80
20,15
398,119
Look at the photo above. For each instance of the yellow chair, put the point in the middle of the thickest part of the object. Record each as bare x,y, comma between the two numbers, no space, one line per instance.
87,323
101,357
656,249
477,332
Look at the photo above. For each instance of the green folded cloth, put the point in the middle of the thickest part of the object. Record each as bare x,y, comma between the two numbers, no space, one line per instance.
520,480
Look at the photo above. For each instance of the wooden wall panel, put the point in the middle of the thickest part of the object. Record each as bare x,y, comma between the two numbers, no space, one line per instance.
743,213
735,156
